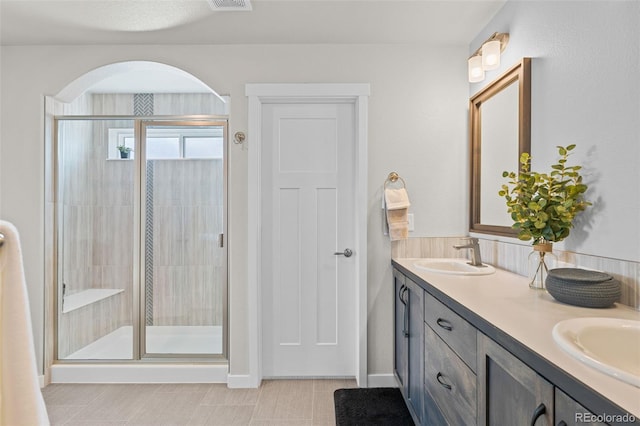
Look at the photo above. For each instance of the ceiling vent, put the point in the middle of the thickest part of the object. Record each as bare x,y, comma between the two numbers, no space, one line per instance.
230,5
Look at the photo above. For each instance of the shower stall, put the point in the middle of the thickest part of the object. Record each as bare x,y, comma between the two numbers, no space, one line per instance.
140,233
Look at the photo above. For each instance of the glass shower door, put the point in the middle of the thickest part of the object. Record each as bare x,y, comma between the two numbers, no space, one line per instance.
183,218
96,255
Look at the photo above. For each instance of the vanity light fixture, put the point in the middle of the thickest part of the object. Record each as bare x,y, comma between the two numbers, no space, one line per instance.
487,57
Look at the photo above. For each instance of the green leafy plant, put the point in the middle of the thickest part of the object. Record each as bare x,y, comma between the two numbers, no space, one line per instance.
543,205
123,148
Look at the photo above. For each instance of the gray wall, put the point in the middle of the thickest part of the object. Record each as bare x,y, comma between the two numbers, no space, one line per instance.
585,90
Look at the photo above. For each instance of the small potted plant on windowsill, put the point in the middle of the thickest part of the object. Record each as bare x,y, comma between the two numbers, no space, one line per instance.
543,206
124,151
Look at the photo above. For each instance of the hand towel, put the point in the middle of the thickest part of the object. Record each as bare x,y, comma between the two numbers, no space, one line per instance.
21,401
397,207
396,198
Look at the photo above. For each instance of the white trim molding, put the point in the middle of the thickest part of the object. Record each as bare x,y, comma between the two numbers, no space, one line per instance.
139,373
382,381
260,94
238,381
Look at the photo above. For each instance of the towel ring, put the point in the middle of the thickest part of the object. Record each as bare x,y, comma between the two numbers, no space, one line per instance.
393,178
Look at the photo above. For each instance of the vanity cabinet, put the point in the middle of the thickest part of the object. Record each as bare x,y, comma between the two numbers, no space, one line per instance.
451,372
509,390
449,364
409,338
569,413
401,344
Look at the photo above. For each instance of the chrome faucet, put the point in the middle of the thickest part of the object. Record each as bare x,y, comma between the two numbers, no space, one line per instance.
474,246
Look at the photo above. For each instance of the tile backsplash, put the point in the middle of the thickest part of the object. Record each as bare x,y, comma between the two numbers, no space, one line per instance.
513,257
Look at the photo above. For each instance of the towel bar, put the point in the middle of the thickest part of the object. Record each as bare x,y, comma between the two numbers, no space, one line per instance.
393,177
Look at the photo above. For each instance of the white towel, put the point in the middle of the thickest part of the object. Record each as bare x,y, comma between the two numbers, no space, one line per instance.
21,401
397,207
396,198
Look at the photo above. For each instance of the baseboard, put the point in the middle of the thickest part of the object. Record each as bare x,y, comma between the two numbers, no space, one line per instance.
381,381
130,373
41,381
242,381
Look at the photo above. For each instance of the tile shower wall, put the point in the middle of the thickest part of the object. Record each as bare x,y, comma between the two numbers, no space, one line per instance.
98,199
97,236
188,265
513,257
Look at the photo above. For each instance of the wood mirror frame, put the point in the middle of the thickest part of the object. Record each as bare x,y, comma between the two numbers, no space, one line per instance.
519,74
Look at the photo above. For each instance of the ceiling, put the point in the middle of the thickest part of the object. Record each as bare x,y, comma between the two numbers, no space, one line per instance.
92,22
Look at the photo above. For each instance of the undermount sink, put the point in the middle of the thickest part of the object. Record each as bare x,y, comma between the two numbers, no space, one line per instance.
453,266
606,344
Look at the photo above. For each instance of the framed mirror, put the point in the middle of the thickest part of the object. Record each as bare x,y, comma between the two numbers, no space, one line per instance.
500,131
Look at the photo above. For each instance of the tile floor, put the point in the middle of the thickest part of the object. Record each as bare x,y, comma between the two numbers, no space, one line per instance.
276,402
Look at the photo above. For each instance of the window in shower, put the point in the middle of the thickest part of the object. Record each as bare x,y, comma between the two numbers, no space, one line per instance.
171,143
141,271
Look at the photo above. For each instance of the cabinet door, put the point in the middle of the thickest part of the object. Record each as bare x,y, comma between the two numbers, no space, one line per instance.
415,374
509,392
570,413
400,323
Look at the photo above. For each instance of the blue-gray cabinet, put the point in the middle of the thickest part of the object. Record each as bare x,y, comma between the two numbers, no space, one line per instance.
510,390
409,343
452,370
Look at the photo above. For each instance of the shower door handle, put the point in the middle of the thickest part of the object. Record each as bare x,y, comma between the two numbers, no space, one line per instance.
221,240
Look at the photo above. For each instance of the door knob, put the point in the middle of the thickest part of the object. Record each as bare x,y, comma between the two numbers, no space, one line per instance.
346,253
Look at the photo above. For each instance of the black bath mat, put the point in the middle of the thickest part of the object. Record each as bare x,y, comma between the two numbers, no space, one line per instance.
371,406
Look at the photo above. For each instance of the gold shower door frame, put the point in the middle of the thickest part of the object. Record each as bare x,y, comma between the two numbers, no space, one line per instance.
141,178
139,252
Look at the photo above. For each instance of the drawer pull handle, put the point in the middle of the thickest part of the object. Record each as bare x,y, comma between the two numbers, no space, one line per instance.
444,324
540,410
402,287
440,379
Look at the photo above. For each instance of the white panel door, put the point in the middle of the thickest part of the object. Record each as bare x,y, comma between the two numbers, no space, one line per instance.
308,214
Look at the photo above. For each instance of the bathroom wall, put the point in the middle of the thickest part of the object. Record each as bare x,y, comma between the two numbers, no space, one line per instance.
417,127
189,266
585,91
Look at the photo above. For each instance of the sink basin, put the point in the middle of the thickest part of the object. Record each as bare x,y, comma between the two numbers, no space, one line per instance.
606,344
453,266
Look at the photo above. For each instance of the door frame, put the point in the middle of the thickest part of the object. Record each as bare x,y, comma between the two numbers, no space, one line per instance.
288,93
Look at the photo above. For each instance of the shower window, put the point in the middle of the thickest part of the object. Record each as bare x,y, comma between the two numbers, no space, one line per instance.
171,143
141,268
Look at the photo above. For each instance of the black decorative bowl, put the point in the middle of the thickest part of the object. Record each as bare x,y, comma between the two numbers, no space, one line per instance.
581,287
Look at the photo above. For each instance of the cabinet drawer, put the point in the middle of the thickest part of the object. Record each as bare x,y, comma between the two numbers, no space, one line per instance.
568,412
449,381
453,329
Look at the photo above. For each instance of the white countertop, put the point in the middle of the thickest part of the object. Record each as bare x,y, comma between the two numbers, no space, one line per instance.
505,301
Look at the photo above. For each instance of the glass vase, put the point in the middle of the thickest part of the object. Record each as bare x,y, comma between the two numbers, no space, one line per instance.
541,259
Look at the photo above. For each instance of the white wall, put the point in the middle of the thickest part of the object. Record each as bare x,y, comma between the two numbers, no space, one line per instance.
417,127
585,90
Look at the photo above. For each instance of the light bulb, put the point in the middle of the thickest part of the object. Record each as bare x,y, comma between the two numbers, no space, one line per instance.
491,55
476,73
